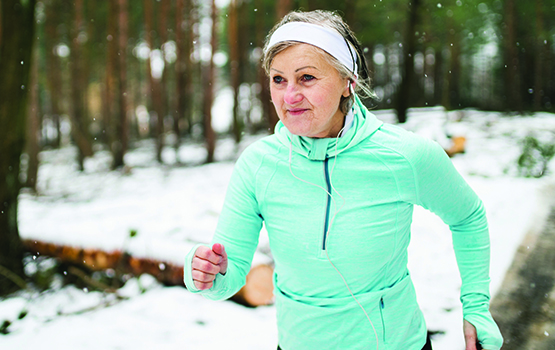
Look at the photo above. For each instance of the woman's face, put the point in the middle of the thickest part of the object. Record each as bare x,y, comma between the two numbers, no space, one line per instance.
306,90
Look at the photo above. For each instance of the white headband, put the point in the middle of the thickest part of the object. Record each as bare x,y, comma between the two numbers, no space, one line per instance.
326,39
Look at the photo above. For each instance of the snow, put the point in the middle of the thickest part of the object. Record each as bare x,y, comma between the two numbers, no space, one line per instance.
173,206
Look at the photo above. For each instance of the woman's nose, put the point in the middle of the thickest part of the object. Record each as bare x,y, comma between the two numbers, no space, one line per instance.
292,94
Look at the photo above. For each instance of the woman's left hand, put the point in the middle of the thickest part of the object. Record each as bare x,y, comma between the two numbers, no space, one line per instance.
470,336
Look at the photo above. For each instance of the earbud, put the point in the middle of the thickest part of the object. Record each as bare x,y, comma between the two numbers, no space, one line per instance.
350,84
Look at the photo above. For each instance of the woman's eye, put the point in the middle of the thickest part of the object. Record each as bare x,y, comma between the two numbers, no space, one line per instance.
277,79
308,77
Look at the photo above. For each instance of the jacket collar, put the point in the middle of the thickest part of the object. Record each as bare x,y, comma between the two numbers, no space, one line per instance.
364,125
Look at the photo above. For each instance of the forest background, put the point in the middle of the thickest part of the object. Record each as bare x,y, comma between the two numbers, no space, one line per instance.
103,75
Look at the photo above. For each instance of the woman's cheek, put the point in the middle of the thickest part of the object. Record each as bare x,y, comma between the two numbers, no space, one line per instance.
277,99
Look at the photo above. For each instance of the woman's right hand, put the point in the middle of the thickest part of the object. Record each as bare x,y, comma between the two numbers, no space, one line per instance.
207,263
470,336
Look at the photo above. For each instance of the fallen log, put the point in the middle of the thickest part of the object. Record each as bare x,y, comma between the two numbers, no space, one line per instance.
257,291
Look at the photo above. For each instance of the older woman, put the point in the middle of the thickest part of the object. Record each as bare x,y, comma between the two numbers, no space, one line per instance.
335,188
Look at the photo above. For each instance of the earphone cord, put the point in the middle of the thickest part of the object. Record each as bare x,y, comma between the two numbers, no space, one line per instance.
331,222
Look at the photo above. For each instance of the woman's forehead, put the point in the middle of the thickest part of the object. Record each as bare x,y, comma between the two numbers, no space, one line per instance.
300,53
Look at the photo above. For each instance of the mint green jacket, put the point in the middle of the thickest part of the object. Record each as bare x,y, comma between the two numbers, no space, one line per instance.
375,173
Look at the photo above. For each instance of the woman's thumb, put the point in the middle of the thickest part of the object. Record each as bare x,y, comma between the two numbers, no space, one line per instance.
219,249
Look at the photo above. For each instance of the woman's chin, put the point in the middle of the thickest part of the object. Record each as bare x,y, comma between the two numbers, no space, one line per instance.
298,130
302,129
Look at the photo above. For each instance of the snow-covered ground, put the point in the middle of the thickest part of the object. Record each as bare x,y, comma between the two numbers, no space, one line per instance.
172,207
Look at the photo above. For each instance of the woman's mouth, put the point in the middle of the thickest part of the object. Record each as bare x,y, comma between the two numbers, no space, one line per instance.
296,111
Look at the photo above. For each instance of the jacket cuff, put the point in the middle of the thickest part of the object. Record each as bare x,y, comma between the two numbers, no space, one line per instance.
476,311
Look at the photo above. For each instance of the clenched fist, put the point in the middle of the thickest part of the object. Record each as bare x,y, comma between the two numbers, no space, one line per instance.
206,264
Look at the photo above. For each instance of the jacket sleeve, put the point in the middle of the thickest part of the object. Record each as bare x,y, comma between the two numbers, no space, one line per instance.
238,230
442,190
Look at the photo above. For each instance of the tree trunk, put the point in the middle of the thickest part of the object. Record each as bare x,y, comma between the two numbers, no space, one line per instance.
154,84
439,76
79,119
17,19
233,37
456,98
209,135
244,70
265,96
32,147
121,122
149,27
180,73
108,107
53,72
159,93
190,38
451,91
350,16
550,76
282,8
409,48
540,57
512,83
429,77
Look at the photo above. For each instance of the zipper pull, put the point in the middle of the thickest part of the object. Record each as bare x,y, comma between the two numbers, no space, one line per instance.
382,305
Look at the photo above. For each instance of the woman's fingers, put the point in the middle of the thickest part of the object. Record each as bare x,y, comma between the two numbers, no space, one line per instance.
203,273
206,264
203,276
470,336
202,285
205,253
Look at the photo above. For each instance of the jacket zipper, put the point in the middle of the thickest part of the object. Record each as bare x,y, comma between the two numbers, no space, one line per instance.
382,307
328,204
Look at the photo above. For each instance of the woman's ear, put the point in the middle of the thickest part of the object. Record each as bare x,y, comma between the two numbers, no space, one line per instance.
346,91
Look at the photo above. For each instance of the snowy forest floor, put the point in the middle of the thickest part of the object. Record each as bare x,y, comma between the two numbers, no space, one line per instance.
172,206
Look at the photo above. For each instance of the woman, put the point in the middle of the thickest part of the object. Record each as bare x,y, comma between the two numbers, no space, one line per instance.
335,188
